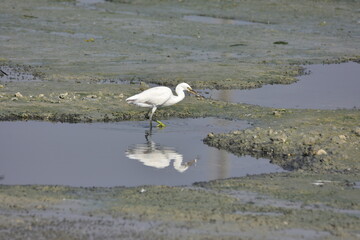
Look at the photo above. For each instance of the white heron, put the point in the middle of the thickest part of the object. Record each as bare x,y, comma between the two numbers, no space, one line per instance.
159,97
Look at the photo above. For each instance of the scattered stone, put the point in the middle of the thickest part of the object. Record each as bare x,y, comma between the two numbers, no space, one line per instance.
1,86
342,137
18,95
277,113
93,96
210,135
280,138
41,95
338,139
236,132
357,131
321,152
63,95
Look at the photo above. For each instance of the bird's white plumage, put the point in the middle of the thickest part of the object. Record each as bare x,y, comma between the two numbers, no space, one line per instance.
154,96
159,97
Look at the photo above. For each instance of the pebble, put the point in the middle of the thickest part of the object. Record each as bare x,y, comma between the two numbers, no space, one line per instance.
18,95
93,96
63,95
210,135
321,152
342,137
357,131
277,113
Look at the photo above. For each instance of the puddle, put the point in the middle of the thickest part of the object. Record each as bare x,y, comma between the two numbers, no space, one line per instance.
10,74
270,214
297,233
89,1
117,154
325,87
76,35
214,20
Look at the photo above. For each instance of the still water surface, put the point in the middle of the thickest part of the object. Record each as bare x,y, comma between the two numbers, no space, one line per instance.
330,86
118,154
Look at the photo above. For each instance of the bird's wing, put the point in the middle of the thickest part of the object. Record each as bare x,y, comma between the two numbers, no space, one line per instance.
153,96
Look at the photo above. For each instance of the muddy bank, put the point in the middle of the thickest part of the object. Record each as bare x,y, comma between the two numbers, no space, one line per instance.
72,48
317,141
158,42
252,207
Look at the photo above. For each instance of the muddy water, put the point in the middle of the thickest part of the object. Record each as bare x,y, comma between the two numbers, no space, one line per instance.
112,154
324,87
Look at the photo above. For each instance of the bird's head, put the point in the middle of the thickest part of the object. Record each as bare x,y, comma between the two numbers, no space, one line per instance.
186,87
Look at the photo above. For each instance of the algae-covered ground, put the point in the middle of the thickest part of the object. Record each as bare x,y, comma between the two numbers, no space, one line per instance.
70,61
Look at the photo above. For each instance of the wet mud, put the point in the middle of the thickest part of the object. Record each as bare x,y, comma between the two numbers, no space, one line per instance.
72,49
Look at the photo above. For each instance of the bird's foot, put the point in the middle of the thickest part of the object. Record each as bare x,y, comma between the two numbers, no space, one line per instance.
160,124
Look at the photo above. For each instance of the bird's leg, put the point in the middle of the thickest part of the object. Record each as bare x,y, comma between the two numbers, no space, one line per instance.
147,115
160,124
151,115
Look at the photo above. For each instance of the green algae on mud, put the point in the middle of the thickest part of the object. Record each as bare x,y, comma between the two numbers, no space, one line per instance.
311,140
153,42
315,140
248,207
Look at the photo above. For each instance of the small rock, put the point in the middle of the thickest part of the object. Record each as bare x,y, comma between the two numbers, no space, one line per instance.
93,96
338,140
321,152
1,86
63,95
41,95
357,131
342,137
277,113
210,135
18,95
280,138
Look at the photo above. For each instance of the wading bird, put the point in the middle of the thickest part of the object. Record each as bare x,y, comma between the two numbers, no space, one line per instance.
159,97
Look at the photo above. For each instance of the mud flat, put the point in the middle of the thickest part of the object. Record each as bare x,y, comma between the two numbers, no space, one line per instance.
58,54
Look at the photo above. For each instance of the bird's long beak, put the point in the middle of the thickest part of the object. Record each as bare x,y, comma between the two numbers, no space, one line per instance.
192,91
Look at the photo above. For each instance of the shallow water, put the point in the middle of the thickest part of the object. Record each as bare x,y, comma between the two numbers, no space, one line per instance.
114,154
213,20
325,87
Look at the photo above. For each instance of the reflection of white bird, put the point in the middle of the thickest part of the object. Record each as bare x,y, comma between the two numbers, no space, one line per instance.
159,97
157,156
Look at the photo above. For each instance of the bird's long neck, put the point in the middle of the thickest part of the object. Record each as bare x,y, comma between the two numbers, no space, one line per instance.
176,98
